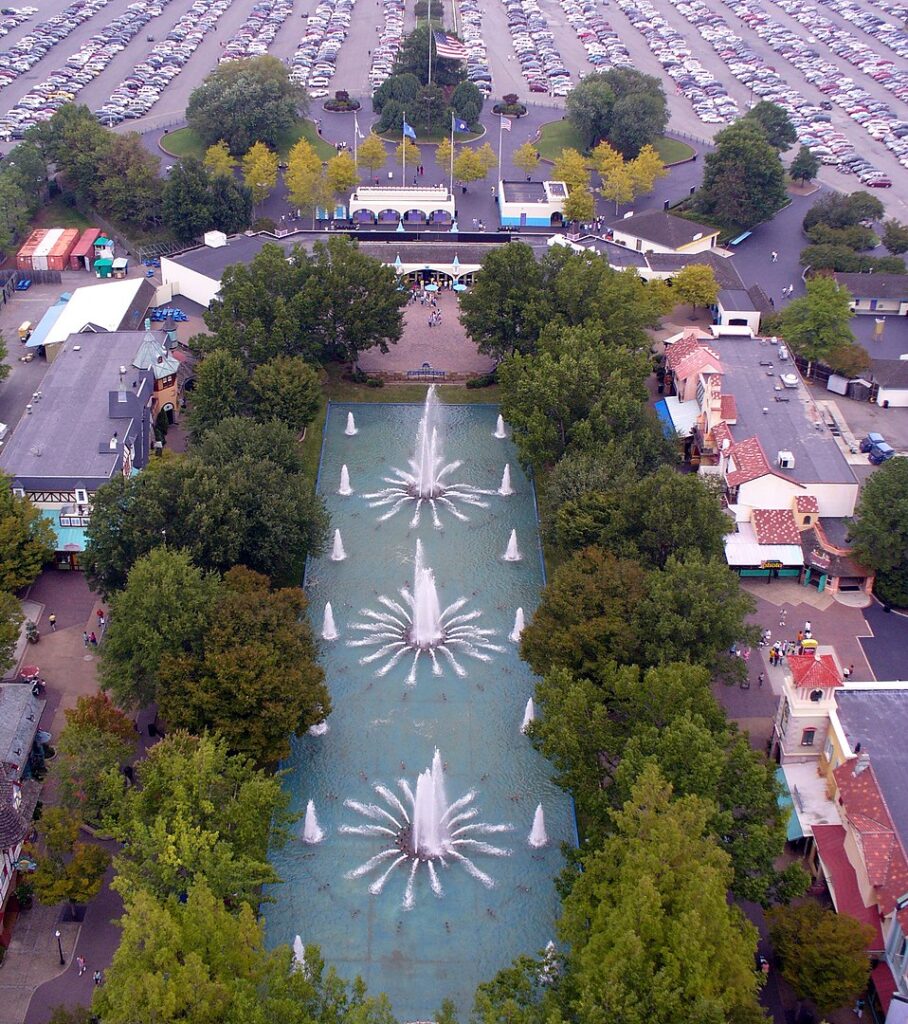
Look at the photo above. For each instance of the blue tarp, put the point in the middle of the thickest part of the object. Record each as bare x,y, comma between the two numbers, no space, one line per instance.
794,830
69,538
46,323
668,427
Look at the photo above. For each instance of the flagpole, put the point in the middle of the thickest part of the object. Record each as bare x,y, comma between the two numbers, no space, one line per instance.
452,154
429,12
500,136
403,149
355,139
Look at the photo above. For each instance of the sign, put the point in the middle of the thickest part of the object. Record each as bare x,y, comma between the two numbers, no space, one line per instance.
773,563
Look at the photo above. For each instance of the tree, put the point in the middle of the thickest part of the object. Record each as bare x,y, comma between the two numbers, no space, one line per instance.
579,205
27,540
646,168
260,171
651,934
879,531
413,59
218,159
589,107
305,178
804,167
470,165
444,151
497,312
371,153
407,153
96,741
855,236
817,323
69,871
526,158
776,124
617,182
128,183
341,173
895,236
258,680
570,166
638,120
696,283
10,621
401,89
648,519
246,101
840,211
467,102
164,608
231,204
187,200
288,389
431,109
823,954
743,181
219,393
16,208
197,962
198,814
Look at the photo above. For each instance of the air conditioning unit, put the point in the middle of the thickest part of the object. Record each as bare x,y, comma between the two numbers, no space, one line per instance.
786,460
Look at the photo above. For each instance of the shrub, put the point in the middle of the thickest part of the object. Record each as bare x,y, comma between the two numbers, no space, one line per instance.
485,380
374,382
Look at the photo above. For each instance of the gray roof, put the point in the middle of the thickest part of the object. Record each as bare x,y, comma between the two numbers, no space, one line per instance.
878,720
154,355
20,713
788,424
890,373
13,826
65,441
737,299
875,286
617,255
524,192
663,228
725,272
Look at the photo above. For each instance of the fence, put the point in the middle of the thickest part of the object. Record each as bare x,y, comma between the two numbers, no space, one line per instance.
39,276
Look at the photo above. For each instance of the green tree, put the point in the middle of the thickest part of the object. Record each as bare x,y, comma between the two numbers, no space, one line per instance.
805,166
199,963
413,59
96,741
246,101
371,153
776,124
467,102
817,323
696,283
880,530
743,180
400,88
638,120
841,211
823,954
187,200
497,312
128,185
431,109
221,386
855,236
16,209
652,936
27,540
198,814
69,871
258,680
525,158
164,608
260,171
218,160
648,519
288,389
589,107
10,621
77,145
231,204
895,236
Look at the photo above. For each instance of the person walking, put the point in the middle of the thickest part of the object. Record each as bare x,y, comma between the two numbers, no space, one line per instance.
92,639
96,977
52,619
80,960
761,679
774,257
84,638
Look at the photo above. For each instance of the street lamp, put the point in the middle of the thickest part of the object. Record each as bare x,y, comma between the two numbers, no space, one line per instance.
59,946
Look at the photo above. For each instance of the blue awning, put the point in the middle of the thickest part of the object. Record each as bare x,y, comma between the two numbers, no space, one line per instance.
794,830
69,538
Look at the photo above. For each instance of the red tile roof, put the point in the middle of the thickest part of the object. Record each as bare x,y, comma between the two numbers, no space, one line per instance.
843,880
775,526
680,350
729,408
881,848
809,671
700,360
807,503
747,462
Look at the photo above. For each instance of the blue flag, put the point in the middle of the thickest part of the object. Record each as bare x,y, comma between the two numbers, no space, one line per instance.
408,130
460,126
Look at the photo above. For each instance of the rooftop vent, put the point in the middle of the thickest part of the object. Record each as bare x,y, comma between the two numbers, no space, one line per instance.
786,460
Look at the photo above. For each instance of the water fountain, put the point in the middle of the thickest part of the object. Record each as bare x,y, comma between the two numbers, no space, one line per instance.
538,835
505,489
312,833
519,624
299,955
529,715
319,729
345,489
426,480
350,429
512,554
329,629
500,432
424,829
420,625
337,548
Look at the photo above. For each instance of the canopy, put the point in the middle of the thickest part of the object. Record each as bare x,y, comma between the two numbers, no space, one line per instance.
460,287
431,287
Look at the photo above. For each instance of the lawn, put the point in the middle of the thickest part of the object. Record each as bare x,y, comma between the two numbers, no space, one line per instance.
58,214
184,142
558,135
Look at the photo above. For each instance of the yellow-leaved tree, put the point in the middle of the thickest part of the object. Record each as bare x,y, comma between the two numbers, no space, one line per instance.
260,171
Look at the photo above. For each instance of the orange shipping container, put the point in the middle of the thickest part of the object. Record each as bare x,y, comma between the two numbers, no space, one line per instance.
24,256
58,257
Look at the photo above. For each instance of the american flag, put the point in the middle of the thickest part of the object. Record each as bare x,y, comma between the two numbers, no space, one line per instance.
505,123
449,47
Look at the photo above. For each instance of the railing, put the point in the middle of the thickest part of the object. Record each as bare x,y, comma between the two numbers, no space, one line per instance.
797,798
425,373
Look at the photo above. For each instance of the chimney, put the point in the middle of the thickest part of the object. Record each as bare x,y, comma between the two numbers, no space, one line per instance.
862,762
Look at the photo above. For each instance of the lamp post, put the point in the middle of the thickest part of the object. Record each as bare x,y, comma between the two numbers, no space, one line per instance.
59,946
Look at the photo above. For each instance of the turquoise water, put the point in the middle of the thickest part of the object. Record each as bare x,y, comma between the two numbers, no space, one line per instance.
383,729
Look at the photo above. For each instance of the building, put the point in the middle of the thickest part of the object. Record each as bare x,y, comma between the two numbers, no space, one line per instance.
890,382
391,204
117,306
880,294
658,231
91,421
531,204
744,416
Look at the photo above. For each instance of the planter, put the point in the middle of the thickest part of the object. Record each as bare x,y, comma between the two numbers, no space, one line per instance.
516,110
335,107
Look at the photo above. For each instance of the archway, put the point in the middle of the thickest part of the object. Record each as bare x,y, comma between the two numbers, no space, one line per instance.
440,217
388,217
557,220
363,217
415,217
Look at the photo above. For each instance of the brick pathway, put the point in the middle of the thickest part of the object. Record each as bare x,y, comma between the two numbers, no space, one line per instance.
444,347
